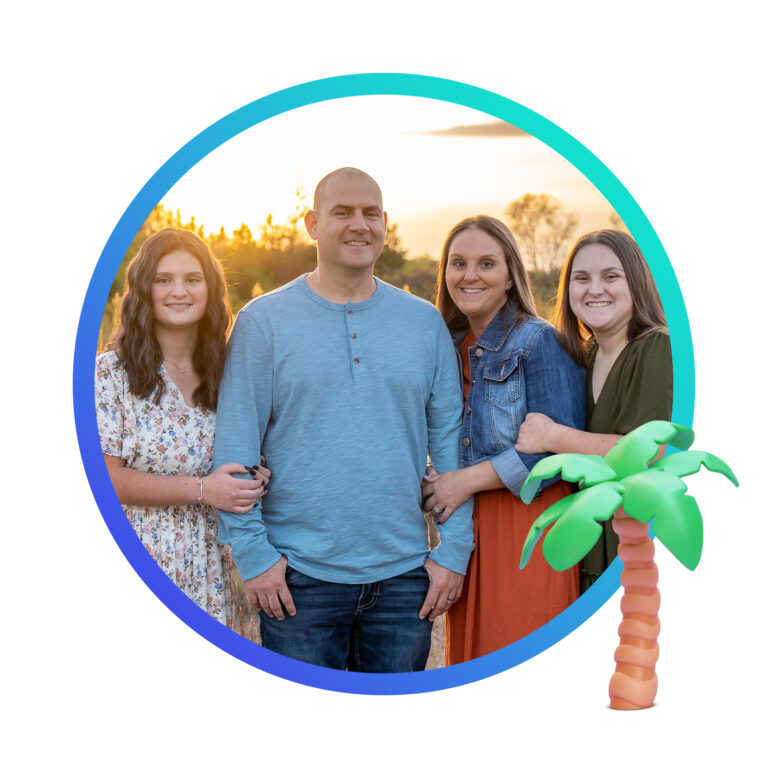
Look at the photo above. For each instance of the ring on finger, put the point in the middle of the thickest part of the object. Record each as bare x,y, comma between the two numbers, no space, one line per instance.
450,599
437,511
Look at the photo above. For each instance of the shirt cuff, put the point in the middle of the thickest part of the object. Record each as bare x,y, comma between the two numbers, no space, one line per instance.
452,556
510,469
253,563
450,552
251,558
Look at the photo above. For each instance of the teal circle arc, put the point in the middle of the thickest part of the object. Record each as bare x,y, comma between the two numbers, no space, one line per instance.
346,86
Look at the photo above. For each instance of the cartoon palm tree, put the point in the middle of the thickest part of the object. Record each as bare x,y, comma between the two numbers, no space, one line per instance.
633,487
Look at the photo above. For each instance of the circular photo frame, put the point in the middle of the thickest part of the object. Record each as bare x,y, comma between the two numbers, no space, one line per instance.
114,251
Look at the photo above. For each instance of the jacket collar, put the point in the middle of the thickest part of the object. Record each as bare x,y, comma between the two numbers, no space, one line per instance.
495,335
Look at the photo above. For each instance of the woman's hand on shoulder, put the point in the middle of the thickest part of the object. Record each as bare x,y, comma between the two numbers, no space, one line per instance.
233,494
534,433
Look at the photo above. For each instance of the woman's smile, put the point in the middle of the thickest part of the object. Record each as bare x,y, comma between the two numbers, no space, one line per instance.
477,277
598,291
179,291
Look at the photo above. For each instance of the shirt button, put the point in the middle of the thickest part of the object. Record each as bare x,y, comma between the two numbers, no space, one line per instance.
352,335
356,360
469,409
465,442
349,311
479,352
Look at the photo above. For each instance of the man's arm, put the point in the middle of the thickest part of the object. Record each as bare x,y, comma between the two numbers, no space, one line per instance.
244,405
443,425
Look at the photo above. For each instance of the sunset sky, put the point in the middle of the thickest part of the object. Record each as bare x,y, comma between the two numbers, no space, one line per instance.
435,162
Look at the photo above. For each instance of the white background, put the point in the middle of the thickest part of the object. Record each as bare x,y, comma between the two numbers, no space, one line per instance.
96,99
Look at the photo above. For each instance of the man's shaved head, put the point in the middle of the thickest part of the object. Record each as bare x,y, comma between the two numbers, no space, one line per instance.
323,183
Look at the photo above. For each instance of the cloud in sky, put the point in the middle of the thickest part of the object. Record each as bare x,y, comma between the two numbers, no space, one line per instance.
497,129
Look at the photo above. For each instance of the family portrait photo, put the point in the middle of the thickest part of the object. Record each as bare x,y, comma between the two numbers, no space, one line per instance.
336,474
340,341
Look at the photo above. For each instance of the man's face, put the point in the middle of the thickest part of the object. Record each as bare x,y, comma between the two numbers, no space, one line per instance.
349,224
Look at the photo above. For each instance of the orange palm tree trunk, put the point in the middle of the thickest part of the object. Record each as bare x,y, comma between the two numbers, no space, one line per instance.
634,683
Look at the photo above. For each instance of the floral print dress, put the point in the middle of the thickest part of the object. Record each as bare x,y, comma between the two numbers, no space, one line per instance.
170,438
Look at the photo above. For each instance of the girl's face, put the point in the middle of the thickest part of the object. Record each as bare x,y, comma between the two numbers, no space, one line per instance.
179,291
477,276
598,291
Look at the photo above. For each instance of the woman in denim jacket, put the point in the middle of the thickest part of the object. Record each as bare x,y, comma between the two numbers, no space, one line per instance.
512,364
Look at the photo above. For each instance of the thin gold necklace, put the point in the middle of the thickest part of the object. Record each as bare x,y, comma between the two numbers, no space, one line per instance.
178,368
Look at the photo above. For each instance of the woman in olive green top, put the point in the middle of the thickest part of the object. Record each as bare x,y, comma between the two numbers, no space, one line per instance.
611,320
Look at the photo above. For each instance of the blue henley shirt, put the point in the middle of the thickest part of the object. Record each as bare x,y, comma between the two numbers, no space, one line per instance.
344,400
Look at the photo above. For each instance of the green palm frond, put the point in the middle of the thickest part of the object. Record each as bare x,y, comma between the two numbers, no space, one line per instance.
659,495
633,452
576,528
573,467
654,492
546,518
690,462
681,529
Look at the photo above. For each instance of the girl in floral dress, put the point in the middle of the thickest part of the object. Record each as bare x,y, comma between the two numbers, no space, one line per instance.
156,392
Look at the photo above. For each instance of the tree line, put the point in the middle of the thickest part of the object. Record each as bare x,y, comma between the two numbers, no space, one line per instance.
278,252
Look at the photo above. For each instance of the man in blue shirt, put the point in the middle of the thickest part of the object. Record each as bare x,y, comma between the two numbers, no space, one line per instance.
344,382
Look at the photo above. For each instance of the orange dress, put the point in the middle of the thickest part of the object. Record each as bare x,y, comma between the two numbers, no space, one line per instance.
500,603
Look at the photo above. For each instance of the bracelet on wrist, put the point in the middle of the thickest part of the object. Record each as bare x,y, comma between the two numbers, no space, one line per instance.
200,499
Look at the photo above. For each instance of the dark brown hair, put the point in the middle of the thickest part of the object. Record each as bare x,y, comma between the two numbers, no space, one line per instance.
520,290
135,342
648,312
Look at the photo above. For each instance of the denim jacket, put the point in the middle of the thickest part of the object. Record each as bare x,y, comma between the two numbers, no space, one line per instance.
515,369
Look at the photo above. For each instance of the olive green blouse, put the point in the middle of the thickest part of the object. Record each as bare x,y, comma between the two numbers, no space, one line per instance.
638,389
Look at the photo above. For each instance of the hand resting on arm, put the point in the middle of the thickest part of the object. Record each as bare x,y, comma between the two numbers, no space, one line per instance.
220,488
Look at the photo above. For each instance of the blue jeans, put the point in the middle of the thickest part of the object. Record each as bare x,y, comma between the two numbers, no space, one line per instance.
360,627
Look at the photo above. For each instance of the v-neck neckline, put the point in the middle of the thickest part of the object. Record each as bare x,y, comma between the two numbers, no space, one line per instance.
169,378
596,400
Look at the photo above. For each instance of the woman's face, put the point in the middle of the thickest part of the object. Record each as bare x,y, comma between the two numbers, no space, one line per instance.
598,291
179,291
477,277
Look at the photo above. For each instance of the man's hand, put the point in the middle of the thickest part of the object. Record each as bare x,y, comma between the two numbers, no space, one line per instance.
269,592
444,589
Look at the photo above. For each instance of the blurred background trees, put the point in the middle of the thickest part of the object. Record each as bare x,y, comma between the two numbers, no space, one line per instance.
280,251
543,229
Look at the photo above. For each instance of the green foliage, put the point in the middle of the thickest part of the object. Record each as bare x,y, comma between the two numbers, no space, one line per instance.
577,516
633,452
689,462
648,489
573,467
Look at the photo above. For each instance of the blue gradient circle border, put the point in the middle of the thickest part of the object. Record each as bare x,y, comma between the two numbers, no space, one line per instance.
117,245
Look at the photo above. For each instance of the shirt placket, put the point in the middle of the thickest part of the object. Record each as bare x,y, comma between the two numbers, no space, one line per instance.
352,327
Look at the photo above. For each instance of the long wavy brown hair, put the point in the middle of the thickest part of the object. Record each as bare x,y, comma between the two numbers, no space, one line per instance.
520,290
648,314
135,342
